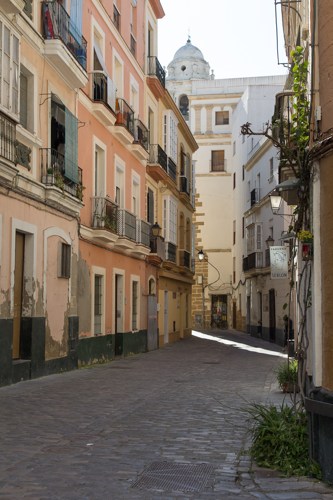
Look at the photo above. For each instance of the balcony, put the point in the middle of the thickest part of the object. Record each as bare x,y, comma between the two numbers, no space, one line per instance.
172,169
185,259
140,146
254,196
184,184
126,229
7,138
157,163
143,232
170,252
124,126
64,47
54,171
253,262
103,95
157,251
156,77
13,6
104,218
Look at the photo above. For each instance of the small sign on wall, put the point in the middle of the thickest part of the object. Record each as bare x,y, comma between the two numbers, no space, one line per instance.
279,262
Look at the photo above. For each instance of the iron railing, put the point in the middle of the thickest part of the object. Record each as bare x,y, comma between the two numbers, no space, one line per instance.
125,115
53,172
253,261
143,232
184,185
141,134
104,214
155,69
57,24
170,252
103,89
158,156
172,169
7,138
185,259
126,224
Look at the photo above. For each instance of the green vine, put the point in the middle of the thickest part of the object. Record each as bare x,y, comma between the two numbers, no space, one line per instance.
292,141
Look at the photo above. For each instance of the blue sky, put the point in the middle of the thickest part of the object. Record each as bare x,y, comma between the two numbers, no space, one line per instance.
236,37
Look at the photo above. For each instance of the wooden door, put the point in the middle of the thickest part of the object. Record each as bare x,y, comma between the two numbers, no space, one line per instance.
18,292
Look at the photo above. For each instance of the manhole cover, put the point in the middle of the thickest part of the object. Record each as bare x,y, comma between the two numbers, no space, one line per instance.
175,477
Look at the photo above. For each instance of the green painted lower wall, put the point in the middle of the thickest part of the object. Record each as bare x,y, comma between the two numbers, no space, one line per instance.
94,350
131,343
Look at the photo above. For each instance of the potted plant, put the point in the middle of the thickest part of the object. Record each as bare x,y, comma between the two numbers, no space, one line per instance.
287,376
306,238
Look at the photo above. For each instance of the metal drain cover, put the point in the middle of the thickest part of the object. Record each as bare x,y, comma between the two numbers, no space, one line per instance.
175,477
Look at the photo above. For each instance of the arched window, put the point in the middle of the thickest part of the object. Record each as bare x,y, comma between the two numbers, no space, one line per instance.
183,106
151,287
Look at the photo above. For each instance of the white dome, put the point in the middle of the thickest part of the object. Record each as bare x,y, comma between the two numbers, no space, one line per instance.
188,63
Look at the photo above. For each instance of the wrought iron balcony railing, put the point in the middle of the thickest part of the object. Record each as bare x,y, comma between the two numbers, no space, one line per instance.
142,232
103,89
255,196
172,169
155,69
57,24
158,156
104,214
125,115
170,252
184,184
126,226
253,261
185,259
59,171
141,134
157,246
7,138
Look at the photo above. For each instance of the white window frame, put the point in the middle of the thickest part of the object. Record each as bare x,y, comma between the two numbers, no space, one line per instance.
170,134
119,180
136,194
100,150
170,219
14,67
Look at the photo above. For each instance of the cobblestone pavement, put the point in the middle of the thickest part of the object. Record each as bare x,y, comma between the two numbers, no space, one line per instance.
167,424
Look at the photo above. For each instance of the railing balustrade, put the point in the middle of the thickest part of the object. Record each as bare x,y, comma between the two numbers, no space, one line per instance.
141,134
53,172
104,214
170,252
103,89
7,138
155,69
143,229
125,115
126,226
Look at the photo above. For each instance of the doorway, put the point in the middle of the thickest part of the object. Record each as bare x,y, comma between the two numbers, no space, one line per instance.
18,292
119,303
166,319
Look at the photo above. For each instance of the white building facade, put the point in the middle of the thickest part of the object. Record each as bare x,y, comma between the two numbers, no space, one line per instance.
234,175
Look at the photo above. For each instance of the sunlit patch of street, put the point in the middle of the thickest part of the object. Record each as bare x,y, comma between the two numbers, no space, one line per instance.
238,345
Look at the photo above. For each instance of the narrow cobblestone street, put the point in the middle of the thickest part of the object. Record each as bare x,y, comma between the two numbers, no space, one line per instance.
166,424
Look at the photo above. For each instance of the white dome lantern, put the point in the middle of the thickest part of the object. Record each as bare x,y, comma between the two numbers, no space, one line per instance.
188,64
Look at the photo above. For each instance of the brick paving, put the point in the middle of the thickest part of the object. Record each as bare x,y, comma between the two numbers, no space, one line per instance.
168,424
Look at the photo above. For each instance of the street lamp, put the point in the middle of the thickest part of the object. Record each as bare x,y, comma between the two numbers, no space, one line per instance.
201,255
156,229
276,200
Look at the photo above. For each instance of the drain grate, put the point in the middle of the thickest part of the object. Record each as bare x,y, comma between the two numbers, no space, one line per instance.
175,477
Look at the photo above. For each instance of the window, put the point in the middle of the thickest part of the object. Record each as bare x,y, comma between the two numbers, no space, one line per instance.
250,238
116,15
234,180
234,270
243,227
217,161
222,118
170,139
64,130
133,29
136,196
234,232
99,171
9,70
135,299
259,237
243,172
150,206
170,220
65,261
119,186
234,148
184,106
98,304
